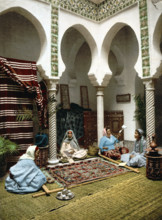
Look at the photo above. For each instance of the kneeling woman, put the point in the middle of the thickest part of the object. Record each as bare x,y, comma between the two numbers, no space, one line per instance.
25,176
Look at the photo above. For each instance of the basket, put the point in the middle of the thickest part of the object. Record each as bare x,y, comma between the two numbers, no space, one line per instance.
43,157
93,150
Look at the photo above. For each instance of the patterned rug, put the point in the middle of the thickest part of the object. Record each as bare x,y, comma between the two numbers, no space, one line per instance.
85,171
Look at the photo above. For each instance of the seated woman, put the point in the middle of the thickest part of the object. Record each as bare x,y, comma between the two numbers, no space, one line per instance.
107,145
25,176
70,148
137,157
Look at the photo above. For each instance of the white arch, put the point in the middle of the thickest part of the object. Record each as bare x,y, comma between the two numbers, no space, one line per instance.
90,41
105,49
41,23
34,21
72,55
156,60
119,56
69,52
106,46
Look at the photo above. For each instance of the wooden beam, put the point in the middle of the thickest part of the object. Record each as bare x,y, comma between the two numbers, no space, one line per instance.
46,190
114,161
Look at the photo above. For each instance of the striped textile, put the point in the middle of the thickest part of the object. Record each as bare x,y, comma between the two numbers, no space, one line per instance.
18,88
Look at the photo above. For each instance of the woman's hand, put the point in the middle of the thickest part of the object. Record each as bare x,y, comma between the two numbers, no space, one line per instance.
118,135
71,151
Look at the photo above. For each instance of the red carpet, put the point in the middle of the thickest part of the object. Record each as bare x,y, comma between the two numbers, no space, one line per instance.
84,171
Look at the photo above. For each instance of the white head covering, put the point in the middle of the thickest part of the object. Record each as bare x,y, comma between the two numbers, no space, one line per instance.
30,153
140,131
72,141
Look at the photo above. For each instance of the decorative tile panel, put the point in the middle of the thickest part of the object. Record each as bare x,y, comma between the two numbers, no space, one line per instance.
84,8
144,37
112,7
98,12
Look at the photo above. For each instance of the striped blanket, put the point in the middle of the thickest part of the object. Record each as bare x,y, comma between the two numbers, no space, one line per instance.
18,88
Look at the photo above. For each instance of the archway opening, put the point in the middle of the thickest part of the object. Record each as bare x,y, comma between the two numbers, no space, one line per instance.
122,57
76,94
21,46
19,38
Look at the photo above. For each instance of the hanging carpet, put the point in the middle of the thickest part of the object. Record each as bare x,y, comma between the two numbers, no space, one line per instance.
18,88
85,171
70,119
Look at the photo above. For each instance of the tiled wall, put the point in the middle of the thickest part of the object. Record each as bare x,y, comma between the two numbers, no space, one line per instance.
54,40
144,37
111,7
98,13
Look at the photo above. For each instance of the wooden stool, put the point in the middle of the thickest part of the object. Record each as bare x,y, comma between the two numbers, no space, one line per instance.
43,157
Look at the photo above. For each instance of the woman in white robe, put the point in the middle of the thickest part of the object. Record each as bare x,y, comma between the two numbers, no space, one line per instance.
70,148
25,176
137,157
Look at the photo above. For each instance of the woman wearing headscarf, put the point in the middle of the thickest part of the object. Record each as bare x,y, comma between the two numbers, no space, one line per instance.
137,157
25,176
107,145
70,148
108,141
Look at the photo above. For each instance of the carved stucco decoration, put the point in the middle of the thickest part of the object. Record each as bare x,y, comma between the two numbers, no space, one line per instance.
97,1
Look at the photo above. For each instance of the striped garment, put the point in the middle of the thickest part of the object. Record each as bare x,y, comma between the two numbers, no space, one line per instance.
18,88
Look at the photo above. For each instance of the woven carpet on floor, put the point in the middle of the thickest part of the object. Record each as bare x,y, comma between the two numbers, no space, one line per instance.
130,196
85,171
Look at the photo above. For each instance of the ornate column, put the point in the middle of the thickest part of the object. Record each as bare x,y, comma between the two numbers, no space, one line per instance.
52,121
150,108
100,112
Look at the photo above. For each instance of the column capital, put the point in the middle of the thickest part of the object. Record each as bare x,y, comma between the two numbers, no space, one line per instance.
100,90
96,81
52,83
149,83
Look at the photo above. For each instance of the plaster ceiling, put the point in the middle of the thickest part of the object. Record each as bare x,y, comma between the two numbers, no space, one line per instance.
97,1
